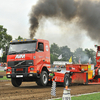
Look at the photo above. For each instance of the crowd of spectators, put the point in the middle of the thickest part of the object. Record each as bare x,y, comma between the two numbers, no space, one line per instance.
3,64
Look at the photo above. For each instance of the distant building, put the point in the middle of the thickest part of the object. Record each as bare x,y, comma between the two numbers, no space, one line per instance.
61,62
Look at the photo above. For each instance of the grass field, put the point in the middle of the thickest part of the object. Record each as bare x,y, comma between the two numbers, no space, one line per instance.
1,71
95,96
4,78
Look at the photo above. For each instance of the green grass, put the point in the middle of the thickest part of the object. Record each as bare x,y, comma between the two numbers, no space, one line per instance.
4,78
95,96
1,71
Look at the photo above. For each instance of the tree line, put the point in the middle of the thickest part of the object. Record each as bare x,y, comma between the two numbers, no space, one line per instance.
79,55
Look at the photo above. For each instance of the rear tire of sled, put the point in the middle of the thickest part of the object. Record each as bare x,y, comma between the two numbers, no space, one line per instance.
66,80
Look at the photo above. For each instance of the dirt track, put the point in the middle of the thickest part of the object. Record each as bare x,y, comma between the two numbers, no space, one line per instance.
30,91
3,73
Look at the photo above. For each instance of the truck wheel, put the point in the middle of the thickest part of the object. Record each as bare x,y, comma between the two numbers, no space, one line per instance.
16,82
43,80
66,80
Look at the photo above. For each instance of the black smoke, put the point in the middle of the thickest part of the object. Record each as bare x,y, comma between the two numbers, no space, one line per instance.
86,12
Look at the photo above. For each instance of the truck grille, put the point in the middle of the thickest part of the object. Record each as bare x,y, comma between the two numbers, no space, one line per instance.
20,63
20,70
17,62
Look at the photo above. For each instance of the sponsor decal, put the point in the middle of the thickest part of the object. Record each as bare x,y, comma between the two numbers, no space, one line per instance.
73,68
58,78
10,59
20,56
47,48
47,57
40,56
98,60
34,57
47,64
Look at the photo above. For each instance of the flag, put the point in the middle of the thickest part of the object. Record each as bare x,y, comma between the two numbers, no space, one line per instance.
1,52
60,57
79,60
90,60
70,60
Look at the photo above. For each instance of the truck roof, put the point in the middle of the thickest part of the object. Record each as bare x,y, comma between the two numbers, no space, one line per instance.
26,40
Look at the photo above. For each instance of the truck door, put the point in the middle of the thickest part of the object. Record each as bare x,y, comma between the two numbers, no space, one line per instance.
40,54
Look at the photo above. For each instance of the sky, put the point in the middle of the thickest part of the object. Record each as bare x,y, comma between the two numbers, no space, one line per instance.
14,16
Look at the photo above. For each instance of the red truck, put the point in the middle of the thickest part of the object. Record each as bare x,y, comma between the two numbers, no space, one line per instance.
79,73
28,60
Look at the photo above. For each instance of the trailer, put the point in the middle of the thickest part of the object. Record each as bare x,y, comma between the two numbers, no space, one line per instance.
78,73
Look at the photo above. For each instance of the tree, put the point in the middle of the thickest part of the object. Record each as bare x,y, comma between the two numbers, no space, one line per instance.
66,53
54,52
4,37
19,38
53,58
91,54
54,49
80,56
4,40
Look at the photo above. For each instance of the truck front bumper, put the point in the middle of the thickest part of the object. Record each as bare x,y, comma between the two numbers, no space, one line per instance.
20,75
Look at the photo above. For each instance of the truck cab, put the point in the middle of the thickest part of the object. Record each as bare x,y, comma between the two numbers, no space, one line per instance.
28,60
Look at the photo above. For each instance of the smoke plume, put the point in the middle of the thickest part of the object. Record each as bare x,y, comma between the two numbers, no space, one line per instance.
86,14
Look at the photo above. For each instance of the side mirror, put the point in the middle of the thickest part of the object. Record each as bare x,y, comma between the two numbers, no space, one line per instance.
6,50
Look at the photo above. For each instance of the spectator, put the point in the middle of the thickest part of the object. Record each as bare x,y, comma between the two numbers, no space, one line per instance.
0,63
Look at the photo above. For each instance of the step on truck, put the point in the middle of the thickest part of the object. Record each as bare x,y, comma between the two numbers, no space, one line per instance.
79,73
28,60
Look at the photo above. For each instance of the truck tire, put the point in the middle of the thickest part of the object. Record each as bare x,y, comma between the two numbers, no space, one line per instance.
16,82
66,80
43,80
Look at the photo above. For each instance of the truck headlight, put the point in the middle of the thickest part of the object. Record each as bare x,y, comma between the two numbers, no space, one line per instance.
9,76
30,74
31,68
8,70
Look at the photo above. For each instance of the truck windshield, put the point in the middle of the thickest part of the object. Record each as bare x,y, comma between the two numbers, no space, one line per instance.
17,48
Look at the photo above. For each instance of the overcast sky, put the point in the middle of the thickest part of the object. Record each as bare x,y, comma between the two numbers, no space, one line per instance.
14,16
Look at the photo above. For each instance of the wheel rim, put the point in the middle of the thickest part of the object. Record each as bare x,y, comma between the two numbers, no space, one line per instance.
44,79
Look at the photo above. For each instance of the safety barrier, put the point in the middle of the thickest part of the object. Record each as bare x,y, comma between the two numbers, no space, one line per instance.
66,94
